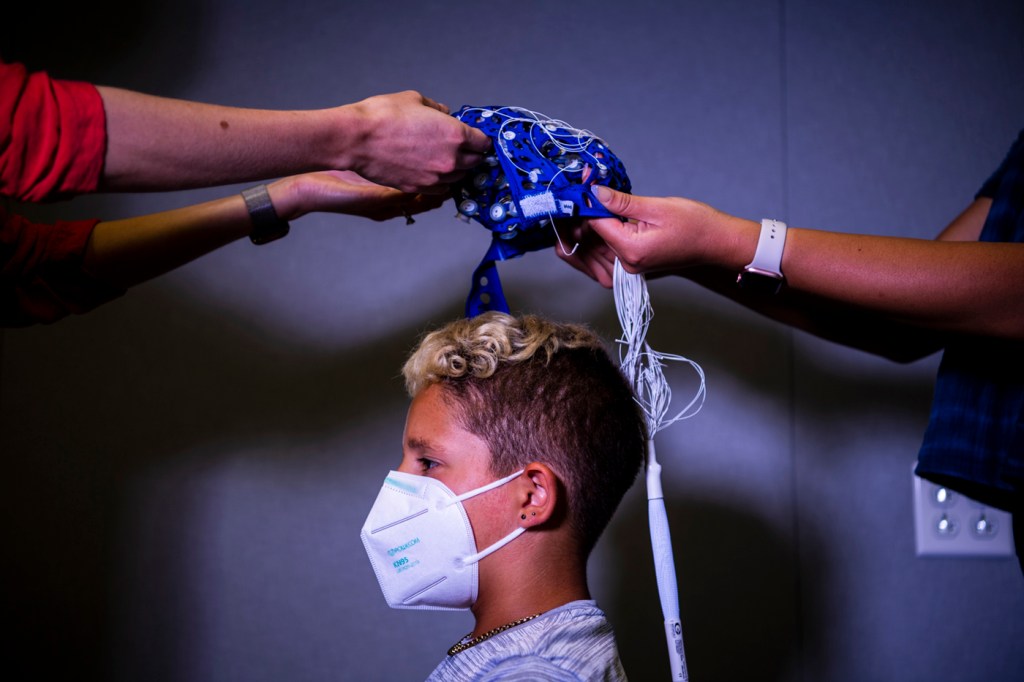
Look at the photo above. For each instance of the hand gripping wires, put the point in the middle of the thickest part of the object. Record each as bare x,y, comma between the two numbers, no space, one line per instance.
643,368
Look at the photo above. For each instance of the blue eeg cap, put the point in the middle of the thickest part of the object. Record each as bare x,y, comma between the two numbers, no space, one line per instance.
541,170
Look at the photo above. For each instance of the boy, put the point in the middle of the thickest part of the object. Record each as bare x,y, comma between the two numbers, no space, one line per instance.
521,439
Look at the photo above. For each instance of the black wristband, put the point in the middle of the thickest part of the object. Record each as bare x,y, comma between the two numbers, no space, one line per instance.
266,225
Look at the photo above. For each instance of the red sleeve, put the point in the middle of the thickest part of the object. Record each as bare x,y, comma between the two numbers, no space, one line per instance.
41,279
53,135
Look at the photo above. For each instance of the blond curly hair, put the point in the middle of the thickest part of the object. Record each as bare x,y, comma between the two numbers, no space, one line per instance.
475,347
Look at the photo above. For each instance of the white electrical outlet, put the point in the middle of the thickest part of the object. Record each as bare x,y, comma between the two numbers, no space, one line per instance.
947,523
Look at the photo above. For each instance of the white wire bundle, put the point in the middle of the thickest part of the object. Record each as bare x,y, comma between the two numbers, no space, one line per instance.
643,367
568,139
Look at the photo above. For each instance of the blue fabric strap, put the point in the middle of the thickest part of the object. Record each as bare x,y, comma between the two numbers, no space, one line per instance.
485,292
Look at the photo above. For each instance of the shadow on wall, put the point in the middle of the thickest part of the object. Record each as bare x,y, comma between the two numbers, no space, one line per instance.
175,378
745,616
137,44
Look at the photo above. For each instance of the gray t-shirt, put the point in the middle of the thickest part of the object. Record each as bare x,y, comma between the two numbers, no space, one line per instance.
572,643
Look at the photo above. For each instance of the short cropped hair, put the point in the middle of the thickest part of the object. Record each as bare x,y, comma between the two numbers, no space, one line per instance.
537,390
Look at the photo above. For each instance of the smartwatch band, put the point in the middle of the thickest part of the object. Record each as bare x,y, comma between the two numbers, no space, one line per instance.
771,242
764,273
266,225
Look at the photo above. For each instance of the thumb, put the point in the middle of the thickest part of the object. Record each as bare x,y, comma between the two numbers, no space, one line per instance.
619,203
477,140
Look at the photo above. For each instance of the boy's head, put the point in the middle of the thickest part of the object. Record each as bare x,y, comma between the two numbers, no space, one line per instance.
539,391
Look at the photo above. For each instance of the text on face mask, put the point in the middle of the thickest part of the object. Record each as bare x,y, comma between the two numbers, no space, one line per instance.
401,548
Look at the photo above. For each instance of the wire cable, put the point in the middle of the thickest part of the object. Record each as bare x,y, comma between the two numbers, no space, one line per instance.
644,369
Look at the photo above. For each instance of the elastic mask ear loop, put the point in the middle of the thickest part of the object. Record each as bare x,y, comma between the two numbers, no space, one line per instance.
473,558
490,486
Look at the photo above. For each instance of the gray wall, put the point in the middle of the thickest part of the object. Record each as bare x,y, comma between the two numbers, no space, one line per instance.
186,469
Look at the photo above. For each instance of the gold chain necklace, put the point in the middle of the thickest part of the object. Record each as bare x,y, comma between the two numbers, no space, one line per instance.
462,644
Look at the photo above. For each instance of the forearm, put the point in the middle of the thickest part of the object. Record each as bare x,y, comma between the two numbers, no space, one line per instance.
402,140
127,252
850,326
157,143
958,287
864,290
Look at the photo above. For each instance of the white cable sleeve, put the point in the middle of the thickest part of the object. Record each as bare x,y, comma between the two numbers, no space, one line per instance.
664,567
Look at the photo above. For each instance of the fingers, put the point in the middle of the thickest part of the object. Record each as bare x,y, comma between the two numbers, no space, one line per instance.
613,232
421,203
592,264
345,192
590,255
577,263
441,189
434,105
601,267
387,203
619,203
476,142
465,161
428,152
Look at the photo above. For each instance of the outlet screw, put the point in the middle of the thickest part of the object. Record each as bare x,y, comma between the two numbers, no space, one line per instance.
946,526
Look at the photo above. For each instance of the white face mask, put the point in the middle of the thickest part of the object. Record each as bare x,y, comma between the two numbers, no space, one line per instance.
421,544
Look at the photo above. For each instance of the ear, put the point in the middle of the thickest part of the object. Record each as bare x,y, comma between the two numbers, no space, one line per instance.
538,496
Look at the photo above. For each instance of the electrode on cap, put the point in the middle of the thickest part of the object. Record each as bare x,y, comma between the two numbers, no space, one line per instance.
498,213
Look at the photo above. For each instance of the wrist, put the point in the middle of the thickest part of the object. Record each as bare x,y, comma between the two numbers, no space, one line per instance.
730,241
348,128
266,224
288,197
